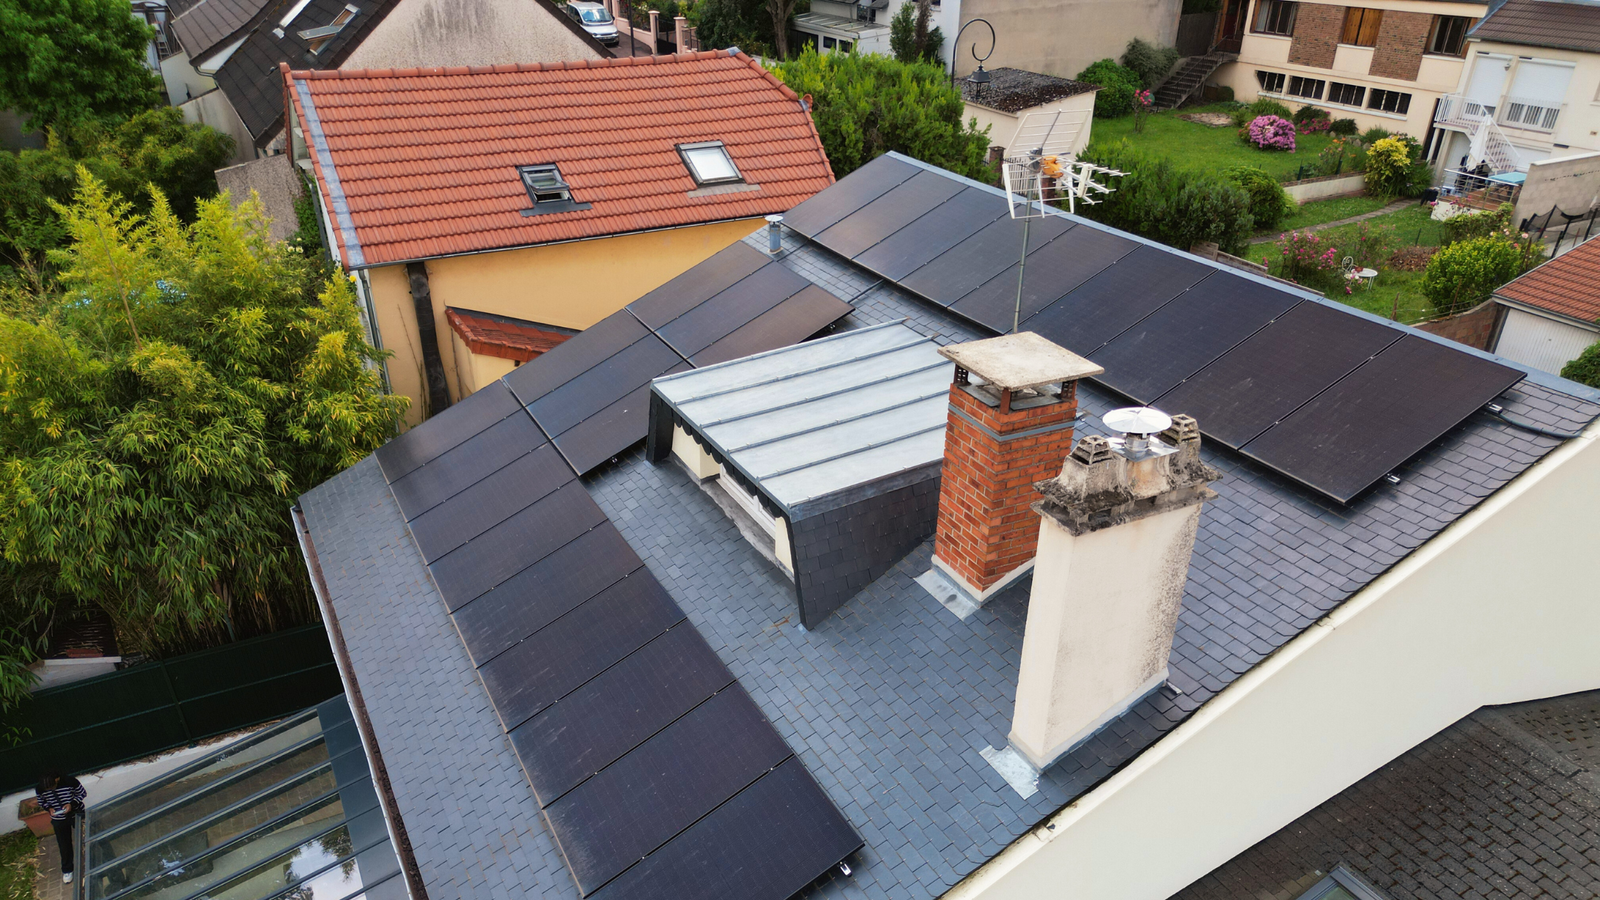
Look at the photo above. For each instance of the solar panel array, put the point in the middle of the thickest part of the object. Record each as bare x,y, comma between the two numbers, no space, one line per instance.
1325,396
657,774
591,393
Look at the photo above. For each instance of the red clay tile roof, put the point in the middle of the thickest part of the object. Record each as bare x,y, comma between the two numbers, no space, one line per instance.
421,163
501,336
1568,284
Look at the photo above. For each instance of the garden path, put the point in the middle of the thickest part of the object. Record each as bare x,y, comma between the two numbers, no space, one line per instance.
1393,207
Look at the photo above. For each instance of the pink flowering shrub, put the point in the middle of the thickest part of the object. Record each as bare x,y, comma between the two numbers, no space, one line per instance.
1310,260
1272,133
1316,126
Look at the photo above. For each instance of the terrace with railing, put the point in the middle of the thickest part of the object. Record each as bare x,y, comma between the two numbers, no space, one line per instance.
1527,114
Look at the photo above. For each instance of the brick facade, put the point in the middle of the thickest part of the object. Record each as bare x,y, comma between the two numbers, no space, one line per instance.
1401,40
1475,328
1317,30
986,528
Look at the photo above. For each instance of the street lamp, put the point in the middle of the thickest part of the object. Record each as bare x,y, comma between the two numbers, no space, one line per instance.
979,78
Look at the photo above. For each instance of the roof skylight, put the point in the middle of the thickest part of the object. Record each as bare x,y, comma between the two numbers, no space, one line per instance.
317,38
547,189
295,10
709,163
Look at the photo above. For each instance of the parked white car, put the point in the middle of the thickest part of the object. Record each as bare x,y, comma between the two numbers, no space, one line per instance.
595,19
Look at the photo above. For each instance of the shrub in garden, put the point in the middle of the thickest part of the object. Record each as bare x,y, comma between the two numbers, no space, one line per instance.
1465,273
1346,127
1263,107
1476,224
1394,170
1224,94
1271,133
1117,86
1341,156
1586,368
1268,201
1373,135
1177,206
1308,114
1370,245
1309,260
1149,62
1143,103
1315,126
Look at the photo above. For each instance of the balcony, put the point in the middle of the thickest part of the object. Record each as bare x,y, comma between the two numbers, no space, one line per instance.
1530,115
1522,113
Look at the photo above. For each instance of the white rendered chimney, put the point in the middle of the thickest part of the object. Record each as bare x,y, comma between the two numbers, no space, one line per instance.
1116,531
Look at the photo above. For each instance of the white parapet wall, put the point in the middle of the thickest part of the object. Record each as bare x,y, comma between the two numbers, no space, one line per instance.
1499,608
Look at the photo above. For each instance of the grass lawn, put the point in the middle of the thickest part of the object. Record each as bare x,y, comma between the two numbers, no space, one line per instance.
16,865
1316,212
1197,146
1391,289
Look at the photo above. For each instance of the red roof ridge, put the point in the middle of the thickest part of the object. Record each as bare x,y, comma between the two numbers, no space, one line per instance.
508,68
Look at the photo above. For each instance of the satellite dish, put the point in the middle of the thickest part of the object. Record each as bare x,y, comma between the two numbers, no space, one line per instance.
1138,423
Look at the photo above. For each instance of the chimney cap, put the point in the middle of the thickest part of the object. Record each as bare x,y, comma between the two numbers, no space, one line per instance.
1015,362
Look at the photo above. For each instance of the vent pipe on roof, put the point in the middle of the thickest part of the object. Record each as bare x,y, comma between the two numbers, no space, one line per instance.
774,234
1116,531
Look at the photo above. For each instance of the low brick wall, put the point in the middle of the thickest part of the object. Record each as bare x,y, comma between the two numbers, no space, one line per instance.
1475,327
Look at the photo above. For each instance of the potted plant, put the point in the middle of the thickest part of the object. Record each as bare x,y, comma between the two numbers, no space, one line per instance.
36,817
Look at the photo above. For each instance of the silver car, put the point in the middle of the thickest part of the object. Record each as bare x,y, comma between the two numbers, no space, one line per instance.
595,20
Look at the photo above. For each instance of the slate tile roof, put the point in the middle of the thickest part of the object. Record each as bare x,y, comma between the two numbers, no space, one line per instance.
425,160
1537,23
206,26
1497,805
502,336
1568,285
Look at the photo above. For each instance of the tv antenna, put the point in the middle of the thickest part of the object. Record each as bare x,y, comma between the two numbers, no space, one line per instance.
1045,171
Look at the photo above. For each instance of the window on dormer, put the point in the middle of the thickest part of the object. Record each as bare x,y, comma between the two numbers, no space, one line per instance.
709,163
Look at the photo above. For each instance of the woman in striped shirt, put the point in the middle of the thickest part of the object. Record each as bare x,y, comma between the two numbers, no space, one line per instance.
63,797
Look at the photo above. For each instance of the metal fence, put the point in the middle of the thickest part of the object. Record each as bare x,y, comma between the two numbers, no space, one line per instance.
165,704
1560,227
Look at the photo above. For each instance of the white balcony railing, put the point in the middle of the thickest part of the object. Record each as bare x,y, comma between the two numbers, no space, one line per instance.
1463,112
1535,115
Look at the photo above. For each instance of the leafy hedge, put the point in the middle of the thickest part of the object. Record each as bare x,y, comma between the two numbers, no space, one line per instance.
1269,203
1117,85
1476,224
1178,207
1149,62
1586,368
1395,167
1465,273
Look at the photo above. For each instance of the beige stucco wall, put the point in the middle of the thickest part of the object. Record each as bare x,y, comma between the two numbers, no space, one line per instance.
1003,125
182,81
1570,182
1061,37
212,108
468,33
1499,608
474,370
1578,127
570,285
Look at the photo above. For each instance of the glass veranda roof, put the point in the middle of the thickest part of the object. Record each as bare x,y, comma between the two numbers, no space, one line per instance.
289,812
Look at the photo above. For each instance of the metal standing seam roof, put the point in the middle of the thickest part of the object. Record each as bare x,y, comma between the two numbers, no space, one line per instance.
422,163
1535,23
1568,285
809,420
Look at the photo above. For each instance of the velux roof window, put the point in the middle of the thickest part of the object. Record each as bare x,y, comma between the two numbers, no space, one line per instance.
709,163
317,38
548,190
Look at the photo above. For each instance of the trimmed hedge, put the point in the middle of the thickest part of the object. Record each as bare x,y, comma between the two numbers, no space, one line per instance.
1178,207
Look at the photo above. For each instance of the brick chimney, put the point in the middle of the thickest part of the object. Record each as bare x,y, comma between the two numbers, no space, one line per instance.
1116,530
1012,408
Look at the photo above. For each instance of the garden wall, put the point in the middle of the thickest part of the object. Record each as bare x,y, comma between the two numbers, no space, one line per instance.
1320,188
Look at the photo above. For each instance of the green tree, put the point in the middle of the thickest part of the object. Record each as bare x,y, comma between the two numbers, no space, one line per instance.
158,421
732,23
1586,368
74,60
866,105
1117,85
910,39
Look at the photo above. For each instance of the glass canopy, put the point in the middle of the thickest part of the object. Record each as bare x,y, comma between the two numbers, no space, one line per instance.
289,812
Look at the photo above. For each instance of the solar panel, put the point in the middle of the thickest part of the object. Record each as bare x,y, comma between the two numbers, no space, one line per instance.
459,468
1180,338
617,710
536,595
950,223
790,322
576,647
611,430
743,850
488,503
1076,256
1276,370
849,194
699,284
712,320
602,384
575,356
647,797
1109,303
507,548
445,431
996,247
908,201
1380,415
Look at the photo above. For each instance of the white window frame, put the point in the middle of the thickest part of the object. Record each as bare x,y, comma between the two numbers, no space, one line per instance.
686,151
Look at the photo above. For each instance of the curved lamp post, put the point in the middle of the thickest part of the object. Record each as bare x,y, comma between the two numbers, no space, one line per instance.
980,77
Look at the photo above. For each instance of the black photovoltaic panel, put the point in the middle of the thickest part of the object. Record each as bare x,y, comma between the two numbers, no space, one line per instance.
790,322
1380,415
459,468
1276,370
629,808
574,648
598,723
950,223
488,503
699,284
545,589
575,356
611,430
602,385
445,431
995,248
1182,337
1077,255
909,201
712,320
743,850
514,544
849,194
1109,303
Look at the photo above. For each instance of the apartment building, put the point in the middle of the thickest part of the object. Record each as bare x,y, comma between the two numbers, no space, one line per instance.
1385,64
846,25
